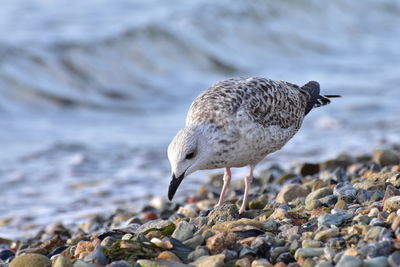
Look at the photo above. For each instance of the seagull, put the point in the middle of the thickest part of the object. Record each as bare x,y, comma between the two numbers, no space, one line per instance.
236,123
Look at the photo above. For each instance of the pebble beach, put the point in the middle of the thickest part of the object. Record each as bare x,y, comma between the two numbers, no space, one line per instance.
340,212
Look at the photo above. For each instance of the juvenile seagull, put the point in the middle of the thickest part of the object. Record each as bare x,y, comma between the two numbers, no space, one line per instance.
236,123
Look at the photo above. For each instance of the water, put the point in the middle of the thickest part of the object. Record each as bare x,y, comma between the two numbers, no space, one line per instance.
91,92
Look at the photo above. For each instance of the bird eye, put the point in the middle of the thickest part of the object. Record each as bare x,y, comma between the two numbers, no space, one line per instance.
189,156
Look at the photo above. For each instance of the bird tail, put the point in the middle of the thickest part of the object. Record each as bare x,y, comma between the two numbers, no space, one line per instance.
316,100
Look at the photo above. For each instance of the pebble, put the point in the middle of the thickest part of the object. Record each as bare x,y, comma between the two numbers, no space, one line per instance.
197,253
386,157
244,262
324,235
5,254
290,192
61,261
226,212
308,252
349,261
392,203
96,257
333,219
210,261
83,249
320,193
394,259
261,263
168,256
220,241
120,263
31,260
376,262
311,244
194,242
183,231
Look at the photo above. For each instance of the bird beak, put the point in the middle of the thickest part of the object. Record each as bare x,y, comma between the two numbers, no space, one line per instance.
173,186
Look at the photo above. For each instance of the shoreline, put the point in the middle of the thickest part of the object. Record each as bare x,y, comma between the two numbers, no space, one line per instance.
337,212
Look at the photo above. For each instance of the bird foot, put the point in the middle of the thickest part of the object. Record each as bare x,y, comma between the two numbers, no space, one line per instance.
242,210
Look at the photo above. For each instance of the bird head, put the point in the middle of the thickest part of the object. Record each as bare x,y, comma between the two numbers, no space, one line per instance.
187,153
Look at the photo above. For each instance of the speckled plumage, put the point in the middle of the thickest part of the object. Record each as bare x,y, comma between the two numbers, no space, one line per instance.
248,118
237,122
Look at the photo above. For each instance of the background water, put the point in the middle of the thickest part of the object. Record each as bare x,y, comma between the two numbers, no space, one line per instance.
91,92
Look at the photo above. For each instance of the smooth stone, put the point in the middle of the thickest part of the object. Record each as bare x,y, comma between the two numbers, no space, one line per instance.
108,241
285,257
328,200
179,249
62,262
377,233
372,250
319,193
262,245
326,234
376,262
210,261
194,242
392,203
308,252
324,264
349,261
244,262
391,191
290,192
120,263
309,169
81,263
157,224
31,260
230,254
333,219
96,256
386,157
160,263
189,210
197,253
247,251
259,202
168,256
223,213
261,263
275,252
183,231
394,259
220,241
243,222
83,249
345,190
311,244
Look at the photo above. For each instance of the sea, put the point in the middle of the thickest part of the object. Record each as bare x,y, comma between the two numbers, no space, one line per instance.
92,92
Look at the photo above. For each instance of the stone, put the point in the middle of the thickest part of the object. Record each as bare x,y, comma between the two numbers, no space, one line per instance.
324,264
223,213
183,231
341,204
326,234
308,252
309,169
259,202
83,249
290,192
168,256
96,257
188,210
320,193
261,263
210,261
197,253
391,191
247,251
279,214
81,263
120,263
345,190
160,263
386,157
5,254
377,233
270,225
61,261
195,241
229,225
31,260
394,259
311,244
392,203
333,219
230,255
244,262
376,262
217,243
349,261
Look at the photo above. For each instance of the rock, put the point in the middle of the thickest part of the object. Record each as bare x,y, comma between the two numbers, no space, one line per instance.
199,252
188,210
31,260
5,254
121,263
392,203
245,262
311,244
333,219
183,231
270,225
155,224
376,262
309,169
326,234
81,263
279,214
259,202
243,222
377,233
160,263
261,263
324,264
226,212
391,191
372,250
62,262
331,165
210,261
349,261
276,252
96,256
217,243
308,252
386,157
247,251
195,241
168,256
179,249
346,191
230,254
290,192
320,193
83,249
394,259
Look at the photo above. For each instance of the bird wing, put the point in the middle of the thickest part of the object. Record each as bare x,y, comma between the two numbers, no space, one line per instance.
263,101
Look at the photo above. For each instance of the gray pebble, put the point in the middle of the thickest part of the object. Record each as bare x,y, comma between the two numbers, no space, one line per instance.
394,259
349,261
376,262
333,219
197,253
183,231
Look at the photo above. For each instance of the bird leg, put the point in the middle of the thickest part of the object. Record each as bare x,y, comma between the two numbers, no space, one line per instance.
227,180
248,180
